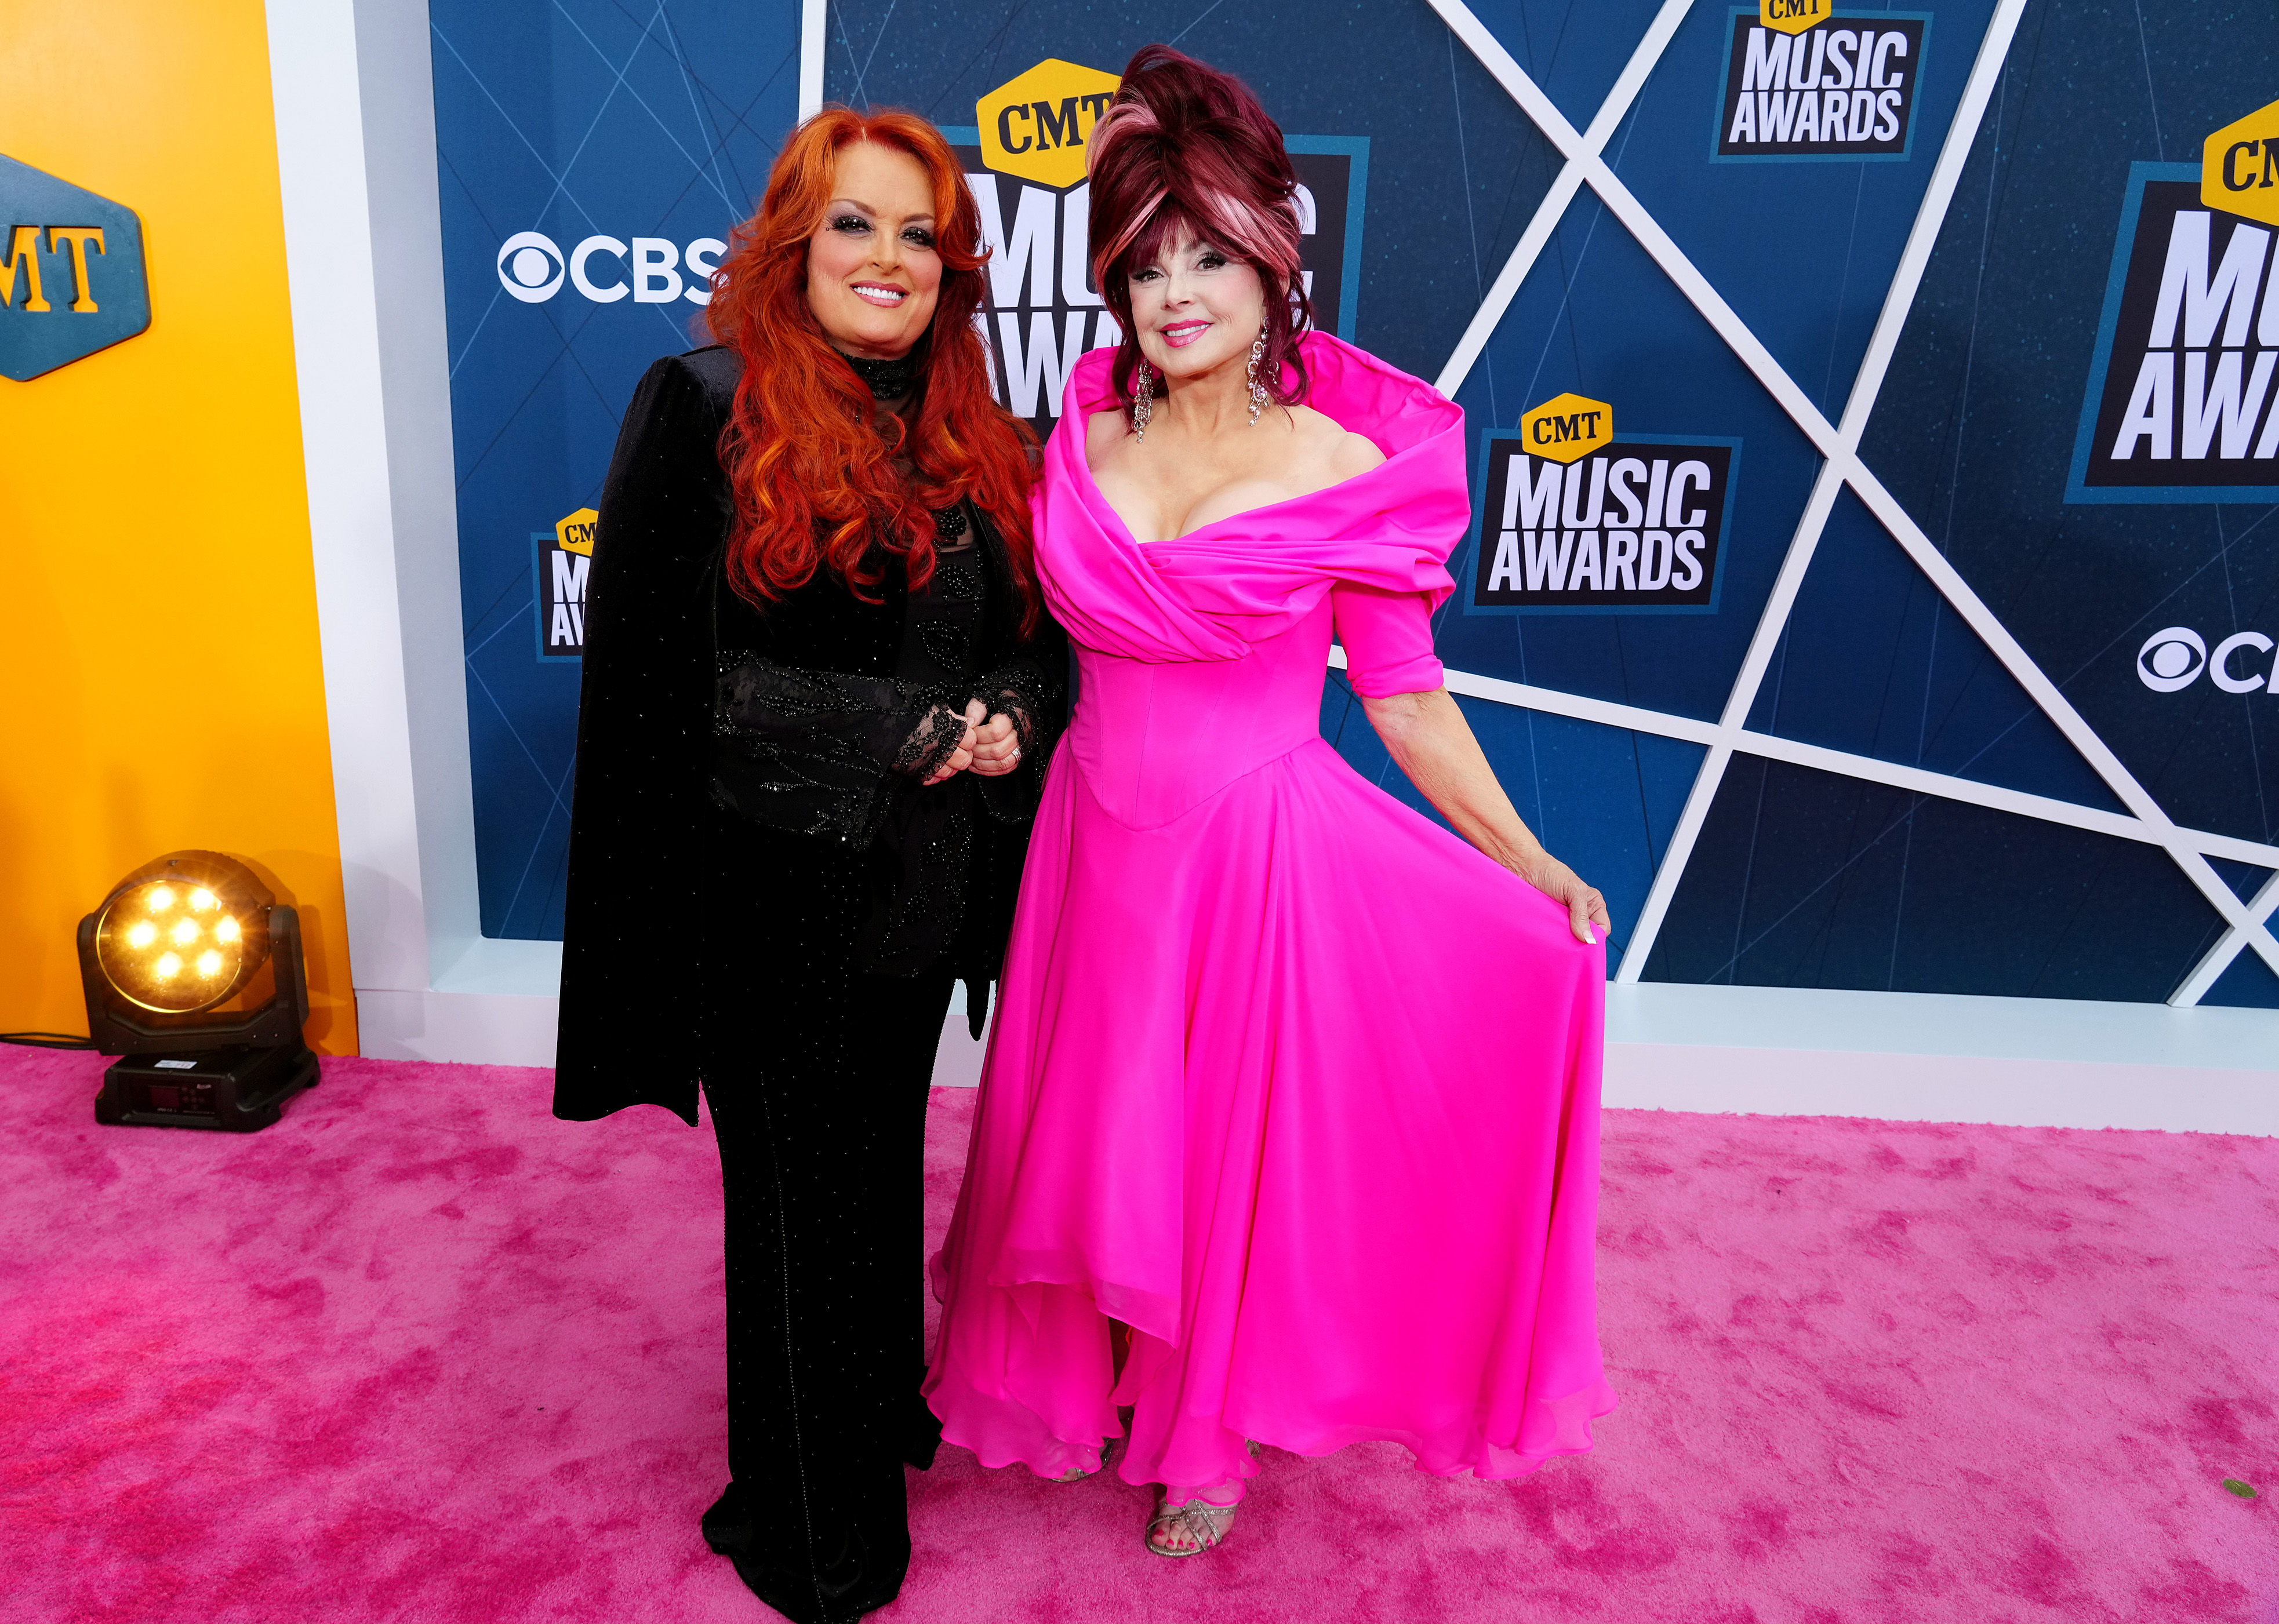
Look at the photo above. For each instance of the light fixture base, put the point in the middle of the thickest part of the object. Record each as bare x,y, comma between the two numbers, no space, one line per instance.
236,1090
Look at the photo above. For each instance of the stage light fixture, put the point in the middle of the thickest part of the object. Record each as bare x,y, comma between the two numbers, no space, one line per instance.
174,942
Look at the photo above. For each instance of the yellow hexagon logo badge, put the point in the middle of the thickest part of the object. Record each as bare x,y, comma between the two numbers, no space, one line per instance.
575,531
1794,16
1567,426
2239,167
1034,127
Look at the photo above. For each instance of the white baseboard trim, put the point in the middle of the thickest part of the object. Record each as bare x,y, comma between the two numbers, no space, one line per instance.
494,1004
957,1062
1947,1023
1902,1056
475,1029
1941,1088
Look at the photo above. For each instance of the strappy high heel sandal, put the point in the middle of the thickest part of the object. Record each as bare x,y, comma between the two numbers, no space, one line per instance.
1076,1474
1203,1524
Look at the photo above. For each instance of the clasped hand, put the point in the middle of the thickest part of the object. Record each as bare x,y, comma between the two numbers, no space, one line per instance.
990,746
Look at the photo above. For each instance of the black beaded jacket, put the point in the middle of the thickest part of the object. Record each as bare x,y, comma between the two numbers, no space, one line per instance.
803,730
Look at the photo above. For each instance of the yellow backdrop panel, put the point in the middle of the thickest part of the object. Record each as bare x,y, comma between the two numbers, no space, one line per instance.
160,662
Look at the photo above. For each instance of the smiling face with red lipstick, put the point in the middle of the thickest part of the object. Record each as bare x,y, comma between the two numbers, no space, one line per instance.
873,274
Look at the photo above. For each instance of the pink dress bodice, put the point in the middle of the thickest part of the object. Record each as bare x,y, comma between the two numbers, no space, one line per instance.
1140,723
1221,635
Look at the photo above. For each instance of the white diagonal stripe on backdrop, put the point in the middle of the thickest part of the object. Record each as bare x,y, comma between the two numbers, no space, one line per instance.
2218,959
1839,446
1564,187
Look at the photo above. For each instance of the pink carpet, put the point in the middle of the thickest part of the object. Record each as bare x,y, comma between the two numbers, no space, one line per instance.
421,1352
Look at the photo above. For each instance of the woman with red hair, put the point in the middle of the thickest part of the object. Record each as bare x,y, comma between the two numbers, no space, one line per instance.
819,694
1289,1130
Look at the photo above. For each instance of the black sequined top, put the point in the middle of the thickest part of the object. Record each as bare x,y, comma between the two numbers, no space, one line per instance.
843,755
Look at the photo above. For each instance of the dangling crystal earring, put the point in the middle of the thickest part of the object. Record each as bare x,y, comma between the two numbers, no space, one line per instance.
1143,404
1257,389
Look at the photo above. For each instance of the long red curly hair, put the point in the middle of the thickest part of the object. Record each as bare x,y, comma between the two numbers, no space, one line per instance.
815,483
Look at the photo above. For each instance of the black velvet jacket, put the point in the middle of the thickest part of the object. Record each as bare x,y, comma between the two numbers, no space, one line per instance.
718,744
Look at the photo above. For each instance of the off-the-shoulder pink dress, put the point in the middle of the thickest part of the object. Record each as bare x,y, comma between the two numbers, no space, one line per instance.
1285,1076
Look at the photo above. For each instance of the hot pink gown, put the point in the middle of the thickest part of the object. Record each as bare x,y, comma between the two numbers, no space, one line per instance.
1285,1076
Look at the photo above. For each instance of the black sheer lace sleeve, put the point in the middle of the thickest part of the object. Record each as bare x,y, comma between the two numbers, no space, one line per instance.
931,742
1032,692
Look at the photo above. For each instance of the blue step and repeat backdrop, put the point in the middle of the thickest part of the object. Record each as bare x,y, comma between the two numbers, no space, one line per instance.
2012,725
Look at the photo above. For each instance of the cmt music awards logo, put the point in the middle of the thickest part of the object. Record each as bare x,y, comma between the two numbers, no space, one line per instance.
2180,404
1025,162
565,557
1803,80
71,272
1573,519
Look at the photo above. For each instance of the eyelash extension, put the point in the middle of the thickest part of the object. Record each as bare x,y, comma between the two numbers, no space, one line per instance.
1210,262
855,224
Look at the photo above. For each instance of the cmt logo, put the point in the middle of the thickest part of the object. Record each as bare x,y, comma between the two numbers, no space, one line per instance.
1793,16
2239,166
2173,658
1023,160
71,272
1795,89
564,560
1566,426
1573,519
1034,127
605,270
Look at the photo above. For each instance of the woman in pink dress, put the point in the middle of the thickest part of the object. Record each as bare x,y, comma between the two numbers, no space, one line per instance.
1289,1128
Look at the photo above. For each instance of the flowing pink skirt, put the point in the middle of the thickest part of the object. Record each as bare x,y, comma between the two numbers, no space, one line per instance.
1305,1090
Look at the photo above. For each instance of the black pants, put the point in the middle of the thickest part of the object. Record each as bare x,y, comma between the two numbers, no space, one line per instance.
822,1128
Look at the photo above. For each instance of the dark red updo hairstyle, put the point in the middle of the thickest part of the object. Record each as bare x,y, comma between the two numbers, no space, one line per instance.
814,484
1186,151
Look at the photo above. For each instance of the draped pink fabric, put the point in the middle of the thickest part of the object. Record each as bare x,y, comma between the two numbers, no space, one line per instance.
1285,1076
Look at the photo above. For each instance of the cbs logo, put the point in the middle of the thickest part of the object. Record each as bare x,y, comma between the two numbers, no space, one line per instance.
532,268
2173,658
